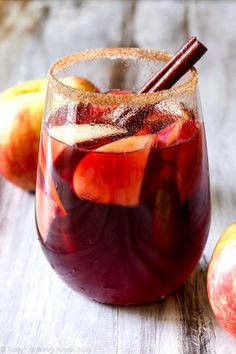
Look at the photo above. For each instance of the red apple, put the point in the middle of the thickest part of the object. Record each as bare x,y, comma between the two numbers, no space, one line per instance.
221,280
21,110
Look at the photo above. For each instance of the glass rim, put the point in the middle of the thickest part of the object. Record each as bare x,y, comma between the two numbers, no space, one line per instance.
100,98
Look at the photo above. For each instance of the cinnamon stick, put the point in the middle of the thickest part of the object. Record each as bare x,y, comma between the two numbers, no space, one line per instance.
132,118
176,67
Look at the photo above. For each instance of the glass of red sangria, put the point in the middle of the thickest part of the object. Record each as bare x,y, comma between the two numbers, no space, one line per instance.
122,197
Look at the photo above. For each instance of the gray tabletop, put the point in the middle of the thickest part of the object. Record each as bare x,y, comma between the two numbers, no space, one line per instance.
38,313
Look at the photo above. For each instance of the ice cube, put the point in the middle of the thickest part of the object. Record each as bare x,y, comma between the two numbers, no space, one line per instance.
166,113
172,108
130,118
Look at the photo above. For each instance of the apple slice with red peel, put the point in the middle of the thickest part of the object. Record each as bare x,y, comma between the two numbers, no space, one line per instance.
191,161
51,148
49,184
113,174
49,151
46,209
87,136
170,135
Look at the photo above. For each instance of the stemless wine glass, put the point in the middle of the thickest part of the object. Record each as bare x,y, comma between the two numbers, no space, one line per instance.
122,209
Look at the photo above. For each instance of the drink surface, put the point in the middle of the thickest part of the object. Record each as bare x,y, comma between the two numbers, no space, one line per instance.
123,219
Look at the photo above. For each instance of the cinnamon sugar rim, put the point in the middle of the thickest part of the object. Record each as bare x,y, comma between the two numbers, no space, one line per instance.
110,99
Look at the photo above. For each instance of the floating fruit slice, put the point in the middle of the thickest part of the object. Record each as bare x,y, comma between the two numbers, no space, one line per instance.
51,148
174,133
49,151
86,135
169,135
191,161
46,209
113,174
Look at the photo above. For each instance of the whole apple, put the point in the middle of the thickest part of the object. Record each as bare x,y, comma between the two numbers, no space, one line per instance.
221,280
21,111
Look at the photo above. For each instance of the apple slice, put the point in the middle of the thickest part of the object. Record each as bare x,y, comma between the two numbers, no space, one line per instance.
51,148
169,135
49,151
113,174
191,160
46,209
49,185
176,133
88,136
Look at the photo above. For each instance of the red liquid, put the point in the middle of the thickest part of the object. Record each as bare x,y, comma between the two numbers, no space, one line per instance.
139,225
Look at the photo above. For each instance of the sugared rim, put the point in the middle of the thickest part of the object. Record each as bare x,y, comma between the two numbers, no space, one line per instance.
110,99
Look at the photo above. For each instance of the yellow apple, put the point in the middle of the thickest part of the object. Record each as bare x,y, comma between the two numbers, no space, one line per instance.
21,111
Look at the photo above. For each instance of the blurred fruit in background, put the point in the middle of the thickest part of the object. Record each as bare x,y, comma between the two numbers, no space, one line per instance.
21,111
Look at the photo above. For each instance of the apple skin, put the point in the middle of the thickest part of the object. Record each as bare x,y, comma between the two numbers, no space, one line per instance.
221,280
20,121
21,111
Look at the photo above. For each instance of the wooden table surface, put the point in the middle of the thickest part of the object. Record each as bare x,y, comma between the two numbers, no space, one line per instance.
38,313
